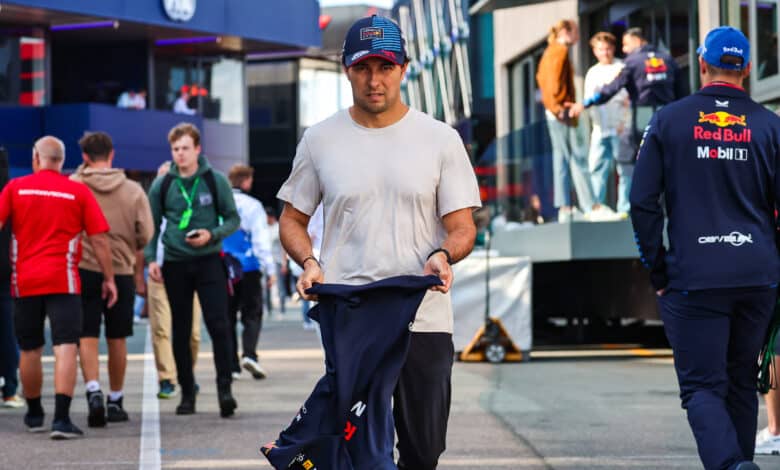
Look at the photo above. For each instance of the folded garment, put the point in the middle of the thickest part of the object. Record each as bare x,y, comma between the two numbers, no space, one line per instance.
347,421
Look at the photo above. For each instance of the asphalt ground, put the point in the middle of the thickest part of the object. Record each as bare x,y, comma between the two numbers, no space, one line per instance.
588,408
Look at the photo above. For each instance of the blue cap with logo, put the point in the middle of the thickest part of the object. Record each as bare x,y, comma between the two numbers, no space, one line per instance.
725,41
374,36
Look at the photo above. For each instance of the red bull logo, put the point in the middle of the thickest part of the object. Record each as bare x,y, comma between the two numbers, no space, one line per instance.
655,65
723,119
722,135
371,33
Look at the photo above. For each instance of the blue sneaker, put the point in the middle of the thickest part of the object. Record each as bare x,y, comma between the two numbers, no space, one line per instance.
34,423
65,429
167,390
97,409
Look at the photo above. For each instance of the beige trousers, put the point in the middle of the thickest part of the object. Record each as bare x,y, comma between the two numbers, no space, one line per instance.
160,323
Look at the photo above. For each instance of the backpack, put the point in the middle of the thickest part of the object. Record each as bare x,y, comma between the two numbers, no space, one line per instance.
208,178
232,265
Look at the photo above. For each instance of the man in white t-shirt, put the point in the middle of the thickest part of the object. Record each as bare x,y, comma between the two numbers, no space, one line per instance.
609,122
397,190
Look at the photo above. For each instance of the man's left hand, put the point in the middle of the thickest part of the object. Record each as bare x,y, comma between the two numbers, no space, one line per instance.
438,266
204,236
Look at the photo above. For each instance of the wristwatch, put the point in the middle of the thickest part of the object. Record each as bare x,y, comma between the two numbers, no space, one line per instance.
442,250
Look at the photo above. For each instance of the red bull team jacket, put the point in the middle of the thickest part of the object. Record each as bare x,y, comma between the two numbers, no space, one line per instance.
651,78
714,156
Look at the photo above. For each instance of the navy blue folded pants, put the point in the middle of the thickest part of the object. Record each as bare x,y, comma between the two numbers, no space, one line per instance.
716,336
347,421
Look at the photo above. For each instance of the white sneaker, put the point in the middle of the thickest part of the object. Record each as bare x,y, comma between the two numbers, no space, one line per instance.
236,375
603,214
767,443
13,402
253,367
564,215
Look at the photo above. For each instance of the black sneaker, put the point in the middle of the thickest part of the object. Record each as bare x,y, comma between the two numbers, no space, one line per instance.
186,406
227,404
65,429
97,409
115,411
34,423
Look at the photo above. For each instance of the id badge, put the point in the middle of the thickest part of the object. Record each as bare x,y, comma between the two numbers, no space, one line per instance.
185,219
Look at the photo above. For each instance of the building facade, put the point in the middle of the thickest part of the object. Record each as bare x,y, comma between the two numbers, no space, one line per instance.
66,66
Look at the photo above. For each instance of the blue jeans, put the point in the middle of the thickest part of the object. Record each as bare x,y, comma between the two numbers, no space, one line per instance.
601,155
9,348
625,173
570,163
716,335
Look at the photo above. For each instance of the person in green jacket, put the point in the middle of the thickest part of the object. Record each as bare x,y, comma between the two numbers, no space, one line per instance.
197,206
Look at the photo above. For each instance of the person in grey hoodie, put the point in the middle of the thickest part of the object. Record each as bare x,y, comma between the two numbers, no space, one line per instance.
126,208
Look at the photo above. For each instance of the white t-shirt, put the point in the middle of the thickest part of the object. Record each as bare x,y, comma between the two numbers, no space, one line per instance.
613,115
384,192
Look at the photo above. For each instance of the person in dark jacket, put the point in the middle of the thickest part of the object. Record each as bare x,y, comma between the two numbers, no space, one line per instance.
714,158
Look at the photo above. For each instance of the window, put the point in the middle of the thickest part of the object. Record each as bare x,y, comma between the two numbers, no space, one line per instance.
324,89
766,27
212,87
760,22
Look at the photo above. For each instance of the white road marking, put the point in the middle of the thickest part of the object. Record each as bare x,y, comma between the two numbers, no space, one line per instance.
280,354
149,458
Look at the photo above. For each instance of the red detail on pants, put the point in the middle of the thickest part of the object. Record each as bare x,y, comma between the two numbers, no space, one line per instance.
349,431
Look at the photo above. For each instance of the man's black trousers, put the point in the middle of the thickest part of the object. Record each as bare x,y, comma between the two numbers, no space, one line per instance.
248,298
206,276
421,401
716,336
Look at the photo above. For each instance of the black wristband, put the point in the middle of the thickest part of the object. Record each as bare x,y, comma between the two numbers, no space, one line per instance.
442,250
303,263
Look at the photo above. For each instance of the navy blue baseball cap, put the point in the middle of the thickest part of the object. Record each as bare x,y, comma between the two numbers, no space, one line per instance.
374,36
725,41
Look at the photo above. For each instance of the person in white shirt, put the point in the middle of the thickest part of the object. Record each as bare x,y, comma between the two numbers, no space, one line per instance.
609,122
132,99
180,105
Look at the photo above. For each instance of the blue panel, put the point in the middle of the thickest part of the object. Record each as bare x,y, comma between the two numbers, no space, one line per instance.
262,20
140,137
21,127
67,122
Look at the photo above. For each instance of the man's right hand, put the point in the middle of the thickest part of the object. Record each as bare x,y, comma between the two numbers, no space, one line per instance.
155,273
311,273
109,292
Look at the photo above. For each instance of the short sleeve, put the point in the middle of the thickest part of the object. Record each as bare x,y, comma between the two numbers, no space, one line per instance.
302,188
94,221
5,202
458,187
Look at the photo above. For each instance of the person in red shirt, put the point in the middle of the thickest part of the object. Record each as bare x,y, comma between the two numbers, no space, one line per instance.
48,214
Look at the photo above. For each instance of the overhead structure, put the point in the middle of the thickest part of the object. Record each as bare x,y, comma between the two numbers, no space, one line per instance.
439,79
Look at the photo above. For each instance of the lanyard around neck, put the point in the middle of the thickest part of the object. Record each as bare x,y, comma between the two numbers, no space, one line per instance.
188,197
